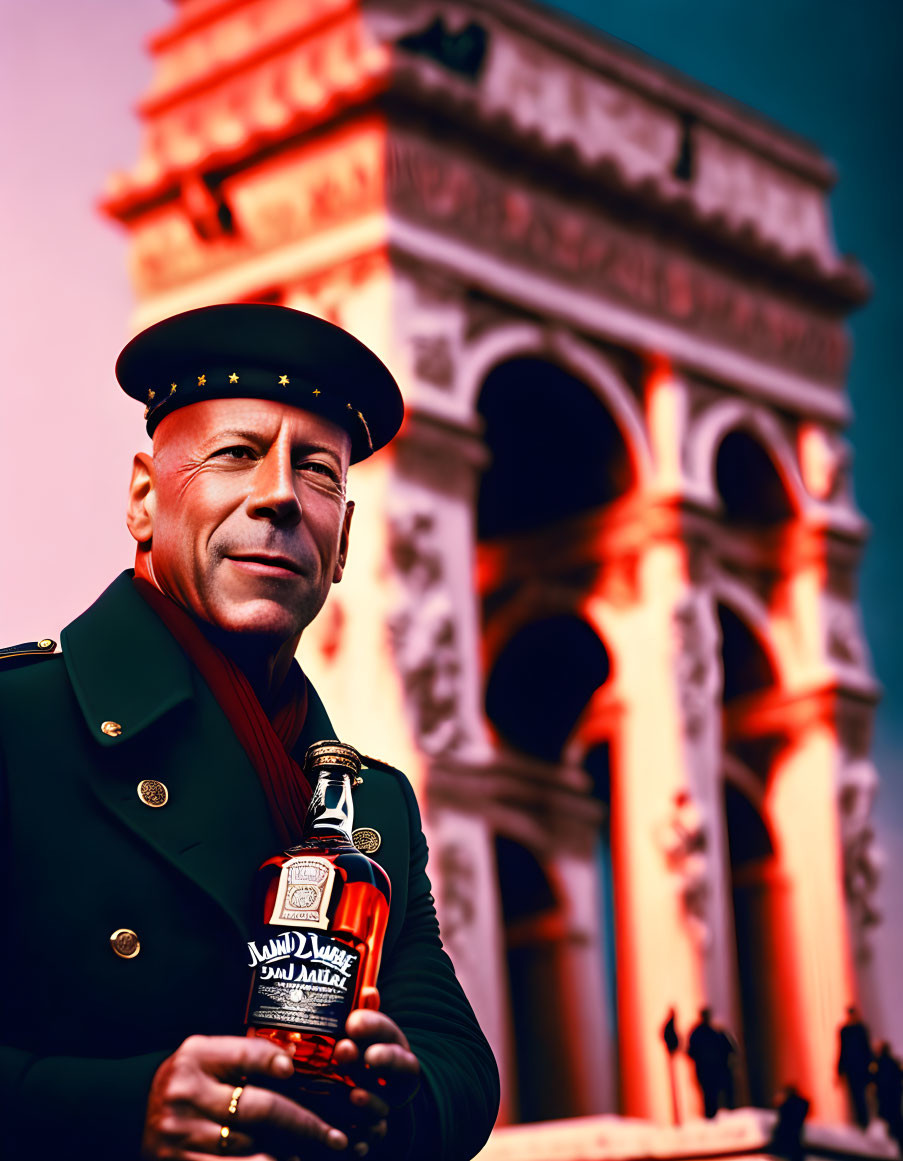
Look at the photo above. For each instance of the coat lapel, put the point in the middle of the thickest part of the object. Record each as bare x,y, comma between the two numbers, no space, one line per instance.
127,669
162,722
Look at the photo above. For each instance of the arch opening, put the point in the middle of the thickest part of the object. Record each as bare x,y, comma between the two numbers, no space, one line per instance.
597,763
541,682
749,484
555,449
759,901
535,946
746,666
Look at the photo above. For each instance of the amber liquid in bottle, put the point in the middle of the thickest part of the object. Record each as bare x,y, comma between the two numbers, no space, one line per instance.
325,906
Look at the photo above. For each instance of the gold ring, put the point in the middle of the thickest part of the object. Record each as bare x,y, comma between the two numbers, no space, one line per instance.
234,1099
225,1132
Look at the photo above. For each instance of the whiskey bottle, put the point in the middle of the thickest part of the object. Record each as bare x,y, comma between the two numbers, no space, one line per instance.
325,906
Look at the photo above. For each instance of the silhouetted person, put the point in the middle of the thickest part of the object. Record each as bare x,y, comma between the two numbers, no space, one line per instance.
672,1043
854,1061
889,1090
793,1108
728,1053
711,1049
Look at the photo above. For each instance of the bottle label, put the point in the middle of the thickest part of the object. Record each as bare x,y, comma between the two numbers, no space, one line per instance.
304,981
305,888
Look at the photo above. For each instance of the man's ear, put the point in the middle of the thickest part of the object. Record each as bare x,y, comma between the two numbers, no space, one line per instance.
142,498
343,543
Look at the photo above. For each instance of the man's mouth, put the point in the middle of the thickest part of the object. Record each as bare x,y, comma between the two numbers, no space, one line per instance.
265,563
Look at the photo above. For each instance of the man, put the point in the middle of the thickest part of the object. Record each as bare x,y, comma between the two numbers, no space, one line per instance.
147,771
671,1040
712,1050
787,1137
854,1063
889,1091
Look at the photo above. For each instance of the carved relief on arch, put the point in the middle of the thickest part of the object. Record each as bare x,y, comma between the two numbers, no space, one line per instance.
422,628
683,836
863,859
431,318
458,897
696,669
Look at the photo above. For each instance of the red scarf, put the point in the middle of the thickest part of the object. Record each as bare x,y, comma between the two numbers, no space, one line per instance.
268,744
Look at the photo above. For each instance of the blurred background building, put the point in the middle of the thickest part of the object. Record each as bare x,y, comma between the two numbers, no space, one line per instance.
606,616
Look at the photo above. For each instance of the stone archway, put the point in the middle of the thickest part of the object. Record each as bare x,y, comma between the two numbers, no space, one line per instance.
555,450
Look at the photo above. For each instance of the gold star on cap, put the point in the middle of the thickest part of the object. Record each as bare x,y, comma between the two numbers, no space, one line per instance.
150,395
233,378
317,391
172,388
283,380
202,380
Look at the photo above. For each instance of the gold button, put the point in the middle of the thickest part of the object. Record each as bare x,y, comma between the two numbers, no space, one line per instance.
125,943
152,793
366,839
45,644
111,729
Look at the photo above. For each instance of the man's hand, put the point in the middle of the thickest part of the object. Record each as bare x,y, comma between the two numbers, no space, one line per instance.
189,1105
376,1053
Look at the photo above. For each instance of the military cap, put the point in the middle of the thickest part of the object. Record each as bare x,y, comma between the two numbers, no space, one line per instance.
242,350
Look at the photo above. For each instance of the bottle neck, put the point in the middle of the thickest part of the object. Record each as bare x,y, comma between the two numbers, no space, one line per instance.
331,810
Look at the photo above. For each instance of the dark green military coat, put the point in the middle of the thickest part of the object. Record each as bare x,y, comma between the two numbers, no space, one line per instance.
83,1029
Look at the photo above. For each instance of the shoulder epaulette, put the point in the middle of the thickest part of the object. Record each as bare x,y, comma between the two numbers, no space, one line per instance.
378,764
14,655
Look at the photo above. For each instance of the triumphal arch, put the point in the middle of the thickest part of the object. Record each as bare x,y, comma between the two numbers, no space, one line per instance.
606,613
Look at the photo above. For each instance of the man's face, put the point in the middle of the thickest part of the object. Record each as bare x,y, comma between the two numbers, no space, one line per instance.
248,513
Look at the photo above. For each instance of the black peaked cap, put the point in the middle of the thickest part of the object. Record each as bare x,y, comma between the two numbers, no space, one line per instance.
242,350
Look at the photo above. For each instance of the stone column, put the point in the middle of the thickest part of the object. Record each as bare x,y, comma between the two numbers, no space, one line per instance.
671,873
581,979
804,793
660,836
396,649
465,884
815,947
434,628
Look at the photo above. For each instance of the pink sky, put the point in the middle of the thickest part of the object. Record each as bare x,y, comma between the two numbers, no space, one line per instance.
70,75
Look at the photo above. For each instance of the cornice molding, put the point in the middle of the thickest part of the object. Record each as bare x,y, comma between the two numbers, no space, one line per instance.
239,79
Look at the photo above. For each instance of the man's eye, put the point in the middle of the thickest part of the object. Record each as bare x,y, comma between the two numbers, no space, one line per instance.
319,469
235,453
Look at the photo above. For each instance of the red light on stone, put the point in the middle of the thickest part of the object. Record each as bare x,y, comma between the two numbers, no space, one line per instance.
819,461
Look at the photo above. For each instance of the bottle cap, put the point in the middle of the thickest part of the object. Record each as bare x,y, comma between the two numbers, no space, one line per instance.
332,753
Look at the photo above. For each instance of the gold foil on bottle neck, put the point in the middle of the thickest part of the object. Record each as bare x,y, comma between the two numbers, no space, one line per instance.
332,753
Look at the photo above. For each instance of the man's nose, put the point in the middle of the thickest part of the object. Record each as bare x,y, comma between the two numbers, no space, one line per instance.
274,495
